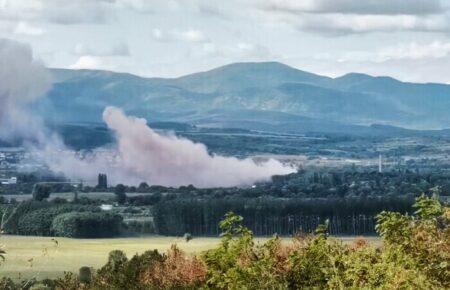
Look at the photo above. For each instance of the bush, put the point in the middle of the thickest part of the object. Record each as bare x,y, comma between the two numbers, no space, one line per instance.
151,270
187,237
424,238
119,191
85,275
13,213
239,264
147,199
41,192
416,255
121,273
8,283
175,271
39,222
59,200
87,225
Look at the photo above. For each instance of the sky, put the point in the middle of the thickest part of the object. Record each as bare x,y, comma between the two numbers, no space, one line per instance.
406,39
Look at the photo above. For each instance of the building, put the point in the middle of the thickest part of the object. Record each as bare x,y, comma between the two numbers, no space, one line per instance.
102,181
106,207
6,181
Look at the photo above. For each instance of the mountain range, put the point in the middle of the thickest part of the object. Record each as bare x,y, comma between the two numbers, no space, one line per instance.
268,96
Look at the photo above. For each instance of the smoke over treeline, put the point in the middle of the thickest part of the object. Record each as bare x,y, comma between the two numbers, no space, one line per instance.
140,154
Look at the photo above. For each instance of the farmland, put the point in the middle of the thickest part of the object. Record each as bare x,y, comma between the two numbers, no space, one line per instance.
49,259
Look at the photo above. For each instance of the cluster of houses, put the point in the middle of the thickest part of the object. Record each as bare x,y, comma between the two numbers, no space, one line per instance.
7,181
9,157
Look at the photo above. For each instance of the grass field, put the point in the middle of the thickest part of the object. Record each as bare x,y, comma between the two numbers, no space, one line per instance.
42,257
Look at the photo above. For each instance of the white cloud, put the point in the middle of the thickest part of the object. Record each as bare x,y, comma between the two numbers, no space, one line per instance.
190,35
26,29
58,11
346,24
238,51
141,6
162,36
340,17
117,49
157,33
415,51
424,52
81,11
367,7
193,36
202,8
86,62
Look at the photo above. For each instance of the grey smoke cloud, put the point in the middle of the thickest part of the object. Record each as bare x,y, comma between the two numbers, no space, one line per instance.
141,154
22,80
171,160
145,155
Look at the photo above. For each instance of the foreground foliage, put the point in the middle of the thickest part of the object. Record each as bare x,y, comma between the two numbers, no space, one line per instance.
415,255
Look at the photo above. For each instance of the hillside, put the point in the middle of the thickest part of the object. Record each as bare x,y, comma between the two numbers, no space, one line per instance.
263,96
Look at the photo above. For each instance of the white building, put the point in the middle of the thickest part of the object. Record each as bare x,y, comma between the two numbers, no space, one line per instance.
12,180
106,207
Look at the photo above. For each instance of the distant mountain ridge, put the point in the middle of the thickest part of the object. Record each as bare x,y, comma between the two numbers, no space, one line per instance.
263,96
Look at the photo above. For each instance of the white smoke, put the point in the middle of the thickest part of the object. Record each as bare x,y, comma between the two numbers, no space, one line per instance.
144,155
170,160
141,154
22,81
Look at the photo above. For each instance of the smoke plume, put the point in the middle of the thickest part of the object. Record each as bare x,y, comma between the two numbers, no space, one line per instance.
22,81
140,154
170,160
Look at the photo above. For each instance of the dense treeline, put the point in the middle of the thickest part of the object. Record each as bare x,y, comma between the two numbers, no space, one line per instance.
320,183
45,218
317,182
268,215
348,198
415,255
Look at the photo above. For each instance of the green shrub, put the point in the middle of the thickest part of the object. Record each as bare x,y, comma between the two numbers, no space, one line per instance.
39,222
15,212
87,225
85,275
238,264
8,284
41,192
121,273
119,191
424,238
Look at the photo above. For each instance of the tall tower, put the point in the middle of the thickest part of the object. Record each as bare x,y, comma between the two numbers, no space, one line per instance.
380,169
102,181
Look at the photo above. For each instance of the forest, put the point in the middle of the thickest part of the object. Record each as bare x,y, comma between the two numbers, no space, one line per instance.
269,215
349,199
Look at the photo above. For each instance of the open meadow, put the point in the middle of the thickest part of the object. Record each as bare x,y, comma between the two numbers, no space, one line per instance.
46,257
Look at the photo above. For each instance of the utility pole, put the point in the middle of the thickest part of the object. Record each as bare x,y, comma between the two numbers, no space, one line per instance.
380,169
